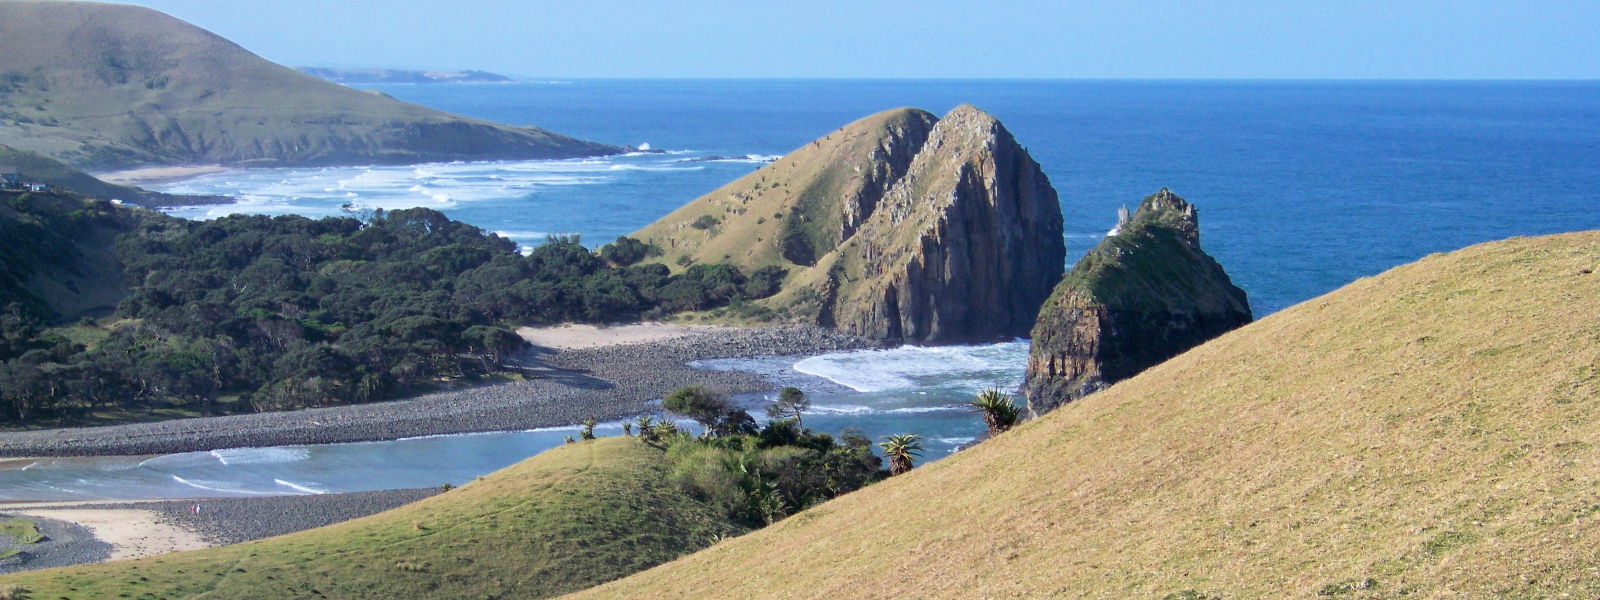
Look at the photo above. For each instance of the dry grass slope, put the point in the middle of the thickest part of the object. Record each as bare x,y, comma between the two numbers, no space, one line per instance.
565,520
1433,431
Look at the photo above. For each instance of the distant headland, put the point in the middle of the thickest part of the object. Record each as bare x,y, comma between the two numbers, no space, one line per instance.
359,75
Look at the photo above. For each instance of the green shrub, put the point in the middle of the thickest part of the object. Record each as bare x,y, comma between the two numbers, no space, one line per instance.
705,222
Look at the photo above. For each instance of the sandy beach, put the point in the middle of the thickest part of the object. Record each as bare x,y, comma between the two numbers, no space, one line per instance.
577,336
131,533
149,175
96,531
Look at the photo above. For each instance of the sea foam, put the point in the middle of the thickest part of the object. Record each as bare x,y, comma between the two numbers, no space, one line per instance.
909,367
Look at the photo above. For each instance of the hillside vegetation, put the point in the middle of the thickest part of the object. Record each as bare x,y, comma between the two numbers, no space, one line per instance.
1433,431
104,86
57,254
567,519
255,313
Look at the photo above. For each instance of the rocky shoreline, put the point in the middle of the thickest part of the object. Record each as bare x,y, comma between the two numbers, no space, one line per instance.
606,383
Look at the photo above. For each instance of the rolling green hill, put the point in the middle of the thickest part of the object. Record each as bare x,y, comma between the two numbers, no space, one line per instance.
105,86
1430,432
562,521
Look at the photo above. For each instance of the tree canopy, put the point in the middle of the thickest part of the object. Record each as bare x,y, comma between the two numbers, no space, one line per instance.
270,313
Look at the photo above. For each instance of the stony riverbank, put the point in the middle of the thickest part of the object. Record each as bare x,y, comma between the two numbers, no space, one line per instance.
609,382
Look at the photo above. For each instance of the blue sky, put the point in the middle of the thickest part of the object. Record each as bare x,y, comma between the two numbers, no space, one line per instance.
1406,39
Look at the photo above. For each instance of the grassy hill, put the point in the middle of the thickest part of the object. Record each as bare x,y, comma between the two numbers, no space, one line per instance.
791,212
1433,431
105,86
562,521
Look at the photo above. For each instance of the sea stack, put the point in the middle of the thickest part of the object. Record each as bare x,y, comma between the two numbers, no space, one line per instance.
900,227
1146,293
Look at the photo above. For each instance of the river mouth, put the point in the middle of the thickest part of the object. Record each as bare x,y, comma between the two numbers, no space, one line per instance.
878,392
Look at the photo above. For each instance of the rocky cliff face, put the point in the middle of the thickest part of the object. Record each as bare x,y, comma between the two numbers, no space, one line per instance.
1143,295
899,227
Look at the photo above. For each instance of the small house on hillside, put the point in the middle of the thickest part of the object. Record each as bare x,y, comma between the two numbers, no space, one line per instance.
9,177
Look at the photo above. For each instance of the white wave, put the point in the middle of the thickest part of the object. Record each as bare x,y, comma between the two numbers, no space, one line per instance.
523,235
322,191
848,409
925,409
299,488
955,441
751,158
260,456
632,167
909,367
215,487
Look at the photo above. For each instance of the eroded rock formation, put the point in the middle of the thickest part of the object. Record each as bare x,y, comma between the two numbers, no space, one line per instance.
899,227
1145,294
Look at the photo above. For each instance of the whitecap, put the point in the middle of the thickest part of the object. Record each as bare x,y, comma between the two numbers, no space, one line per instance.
909,367
260,456
212,486
298,487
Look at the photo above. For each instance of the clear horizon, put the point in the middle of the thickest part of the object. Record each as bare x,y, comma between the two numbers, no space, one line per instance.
939,39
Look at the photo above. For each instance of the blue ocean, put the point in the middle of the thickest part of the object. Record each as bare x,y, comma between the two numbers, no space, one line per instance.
1302,186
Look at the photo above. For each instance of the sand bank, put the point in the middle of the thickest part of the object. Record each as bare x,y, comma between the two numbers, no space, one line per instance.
579,336
149,175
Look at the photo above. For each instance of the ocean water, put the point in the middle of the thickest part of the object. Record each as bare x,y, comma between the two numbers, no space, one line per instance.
1301,186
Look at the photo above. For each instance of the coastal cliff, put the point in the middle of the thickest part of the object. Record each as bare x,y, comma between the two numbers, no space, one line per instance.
1146,293
900,227
107,86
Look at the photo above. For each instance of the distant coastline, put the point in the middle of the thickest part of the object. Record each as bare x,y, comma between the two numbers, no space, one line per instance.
346,75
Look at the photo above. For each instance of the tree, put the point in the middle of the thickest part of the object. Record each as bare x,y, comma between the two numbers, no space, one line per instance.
697,402
791,403
711,409
1000,413
587,432
901,449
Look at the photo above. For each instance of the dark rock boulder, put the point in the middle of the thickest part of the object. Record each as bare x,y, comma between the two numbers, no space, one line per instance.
1143,295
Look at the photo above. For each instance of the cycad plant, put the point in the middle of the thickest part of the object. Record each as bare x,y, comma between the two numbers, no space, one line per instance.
1000,413
900,449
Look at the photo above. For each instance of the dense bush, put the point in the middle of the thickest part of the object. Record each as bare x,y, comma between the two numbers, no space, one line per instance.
758,476
271,313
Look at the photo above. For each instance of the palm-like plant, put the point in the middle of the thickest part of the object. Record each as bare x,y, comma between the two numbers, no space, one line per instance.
900,449
999,411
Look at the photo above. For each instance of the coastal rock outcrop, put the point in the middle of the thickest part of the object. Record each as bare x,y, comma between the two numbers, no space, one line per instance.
1146,293
900,227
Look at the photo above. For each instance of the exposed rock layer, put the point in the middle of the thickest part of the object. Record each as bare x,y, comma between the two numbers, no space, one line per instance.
1145,294
899,227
